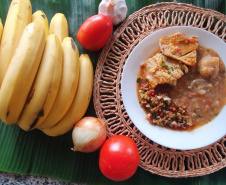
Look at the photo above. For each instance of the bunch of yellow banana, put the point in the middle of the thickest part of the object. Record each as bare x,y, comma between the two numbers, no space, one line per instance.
44,82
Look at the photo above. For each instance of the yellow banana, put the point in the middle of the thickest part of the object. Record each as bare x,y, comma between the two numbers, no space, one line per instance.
41,16
1,29
45,86
21,72
18,17
81,100
68,85
59,26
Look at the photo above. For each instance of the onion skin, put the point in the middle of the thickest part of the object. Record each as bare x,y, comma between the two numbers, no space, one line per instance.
89,134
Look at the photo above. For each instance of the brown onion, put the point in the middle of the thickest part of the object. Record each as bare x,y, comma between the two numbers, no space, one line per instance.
89,134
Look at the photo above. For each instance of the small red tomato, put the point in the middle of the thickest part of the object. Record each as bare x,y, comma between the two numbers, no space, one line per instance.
95,32
119,158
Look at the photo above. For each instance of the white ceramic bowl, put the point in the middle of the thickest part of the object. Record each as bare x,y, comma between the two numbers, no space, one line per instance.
183,140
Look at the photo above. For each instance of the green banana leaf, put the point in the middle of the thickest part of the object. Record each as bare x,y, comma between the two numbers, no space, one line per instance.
37,154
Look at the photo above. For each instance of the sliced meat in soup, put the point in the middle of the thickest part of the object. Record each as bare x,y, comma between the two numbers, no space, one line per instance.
161,69
180,47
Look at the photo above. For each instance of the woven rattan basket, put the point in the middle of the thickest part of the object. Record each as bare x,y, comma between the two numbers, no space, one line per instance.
107,93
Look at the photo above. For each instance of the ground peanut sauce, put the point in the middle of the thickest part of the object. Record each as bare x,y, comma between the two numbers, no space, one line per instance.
203,101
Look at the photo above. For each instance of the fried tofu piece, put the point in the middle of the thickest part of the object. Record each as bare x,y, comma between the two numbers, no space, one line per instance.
180,47
161,69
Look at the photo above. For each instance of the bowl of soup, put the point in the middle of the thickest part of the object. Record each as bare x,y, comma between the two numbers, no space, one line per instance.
174,86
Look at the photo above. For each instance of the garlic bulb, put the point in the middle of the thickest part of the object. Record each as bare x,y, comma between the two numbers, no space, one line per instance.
116,10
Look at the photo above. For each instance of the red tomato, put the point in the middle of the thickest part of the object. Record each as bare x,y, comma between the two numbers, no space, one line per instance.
119,158
95,32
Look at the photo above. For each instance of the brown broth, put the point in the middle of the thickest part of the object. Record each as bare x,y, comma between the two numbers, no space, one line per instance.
206,99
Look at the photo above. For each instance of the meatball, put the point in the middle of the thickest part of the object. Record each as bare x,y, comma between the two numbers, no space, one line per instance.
208,66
